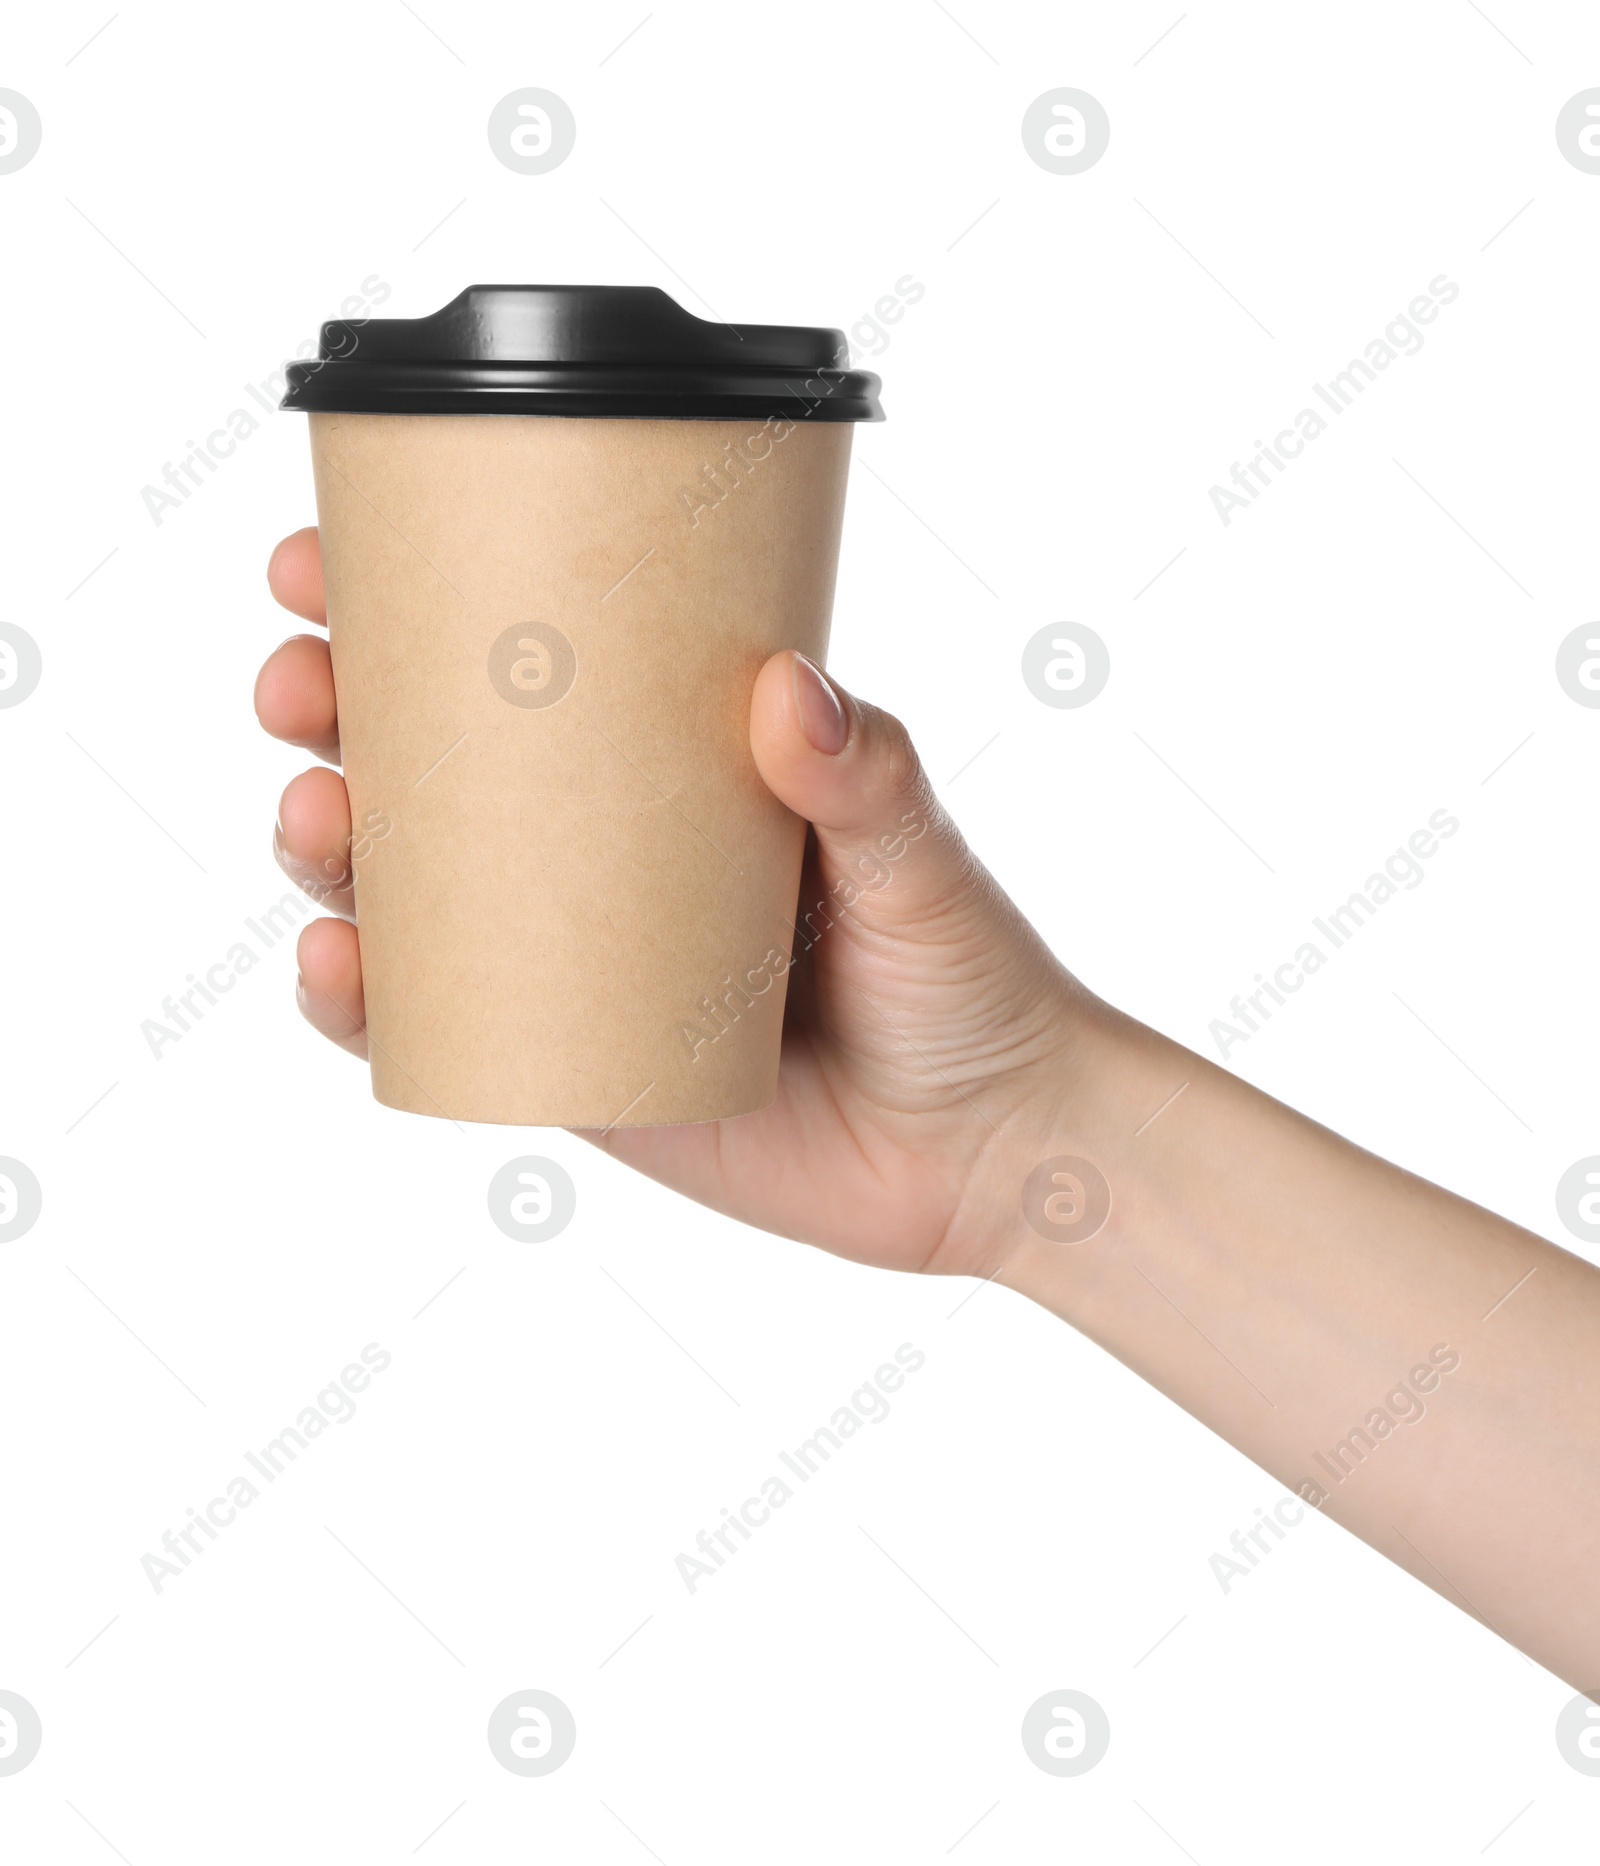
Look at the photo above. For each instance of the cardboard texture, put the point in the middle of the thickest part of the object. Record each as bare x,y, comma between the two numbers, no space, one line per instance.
575,895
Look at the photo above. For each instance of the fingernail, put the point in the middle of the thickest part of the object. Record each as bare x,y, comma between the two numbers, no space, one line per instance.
822,716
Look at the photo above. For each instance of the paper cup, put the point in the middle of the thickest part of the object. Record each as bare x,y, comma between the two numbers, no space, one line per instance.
575,895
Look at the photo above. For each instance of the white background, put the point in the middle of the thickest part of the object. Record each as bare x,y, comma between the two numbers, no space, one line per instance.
1325,672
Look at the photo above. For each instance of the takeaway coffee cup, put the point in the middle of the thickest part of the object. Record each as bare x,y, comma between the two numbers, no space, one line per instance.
562,528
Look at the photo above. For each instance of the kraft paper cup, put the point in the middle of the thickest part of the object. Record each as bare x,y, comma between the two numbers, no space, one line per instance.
575,896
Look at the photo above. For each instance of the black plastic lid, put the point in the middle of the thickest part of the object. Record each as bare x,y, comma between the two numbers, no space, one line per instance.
617,350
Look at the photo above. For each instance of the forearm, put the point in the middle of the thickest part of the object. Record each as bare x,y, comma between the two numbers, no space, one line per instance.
1415,1366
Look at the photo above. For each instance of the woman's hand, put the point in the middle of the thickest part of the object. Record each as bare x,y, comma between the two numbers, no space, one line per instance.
926,1021
1404,1362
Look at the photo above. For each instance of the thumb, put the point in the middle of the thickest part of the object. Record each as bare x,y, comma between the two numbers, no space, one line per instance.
851,771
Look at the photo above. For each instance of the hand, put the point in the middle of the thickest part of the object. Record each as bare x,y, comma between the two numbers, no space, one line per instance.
1277,1282
927,1019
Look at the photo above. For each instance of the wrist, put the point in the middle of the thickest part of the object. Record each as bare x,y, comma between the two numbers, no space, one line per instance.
1084,1167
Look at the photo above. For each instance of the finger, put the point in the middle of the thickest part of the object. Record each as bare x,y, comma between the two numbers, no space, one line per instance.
294,575
312,839
851,770
329,990
294,696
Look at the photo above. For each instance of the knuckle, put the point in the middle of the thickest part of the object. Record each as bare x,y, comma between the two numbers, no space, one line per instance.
900,773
